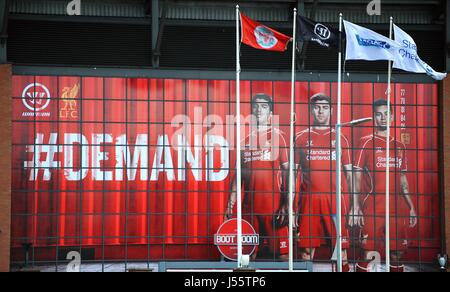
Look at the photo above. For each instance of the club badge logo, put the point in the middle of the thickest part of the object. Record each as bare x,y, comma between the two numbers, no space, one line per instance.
69,108
265,38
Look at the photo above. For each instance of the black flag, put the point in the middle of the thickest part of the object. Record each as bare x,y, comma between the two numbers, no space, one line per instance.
310,31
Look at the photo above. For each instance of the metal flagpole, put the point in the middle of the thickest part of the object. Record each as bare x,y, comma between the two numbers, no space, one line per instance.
388,252
291,151
238,146
338,155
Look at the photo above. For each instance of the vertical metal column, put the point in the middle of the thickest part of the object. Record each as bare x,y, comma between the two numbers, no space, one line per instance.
3,30
155,32
447,35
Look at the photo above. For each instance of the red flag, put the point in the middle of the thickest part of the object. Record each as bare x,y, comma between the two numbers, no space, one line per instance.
262,37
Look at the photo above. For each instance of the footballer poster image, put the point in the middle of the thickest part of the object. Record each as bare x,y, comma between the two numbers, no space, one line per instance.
145,168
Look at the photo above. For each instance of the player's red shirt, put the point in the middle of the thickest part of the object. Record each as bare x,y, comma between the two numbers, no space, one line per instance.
265,152
319,152
372,159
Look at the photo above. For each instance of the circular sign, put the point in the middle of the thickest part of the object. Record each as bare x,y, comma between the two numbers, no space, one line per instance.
265,38
322,31
226,239
36,97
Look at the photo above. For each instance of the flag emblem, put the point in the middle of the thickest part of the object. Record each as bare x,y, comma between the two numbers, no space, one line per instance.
372,43
265,37
322,31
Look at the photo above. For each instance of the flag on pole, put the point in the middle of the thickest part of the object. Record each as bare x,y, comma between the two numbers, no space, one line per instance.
365,44
408,59
310,31
262,37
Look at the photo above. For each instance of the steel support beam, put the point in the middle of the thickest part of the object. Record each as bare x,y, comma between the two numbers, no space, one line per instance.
3,30
215,75
155,31
447,35
159,27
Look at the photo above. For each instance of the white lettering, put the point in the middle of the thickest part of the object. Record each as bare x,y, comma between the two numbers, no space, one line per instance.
81,156
69,172
185,155
140,154
212,141
98,156
163,148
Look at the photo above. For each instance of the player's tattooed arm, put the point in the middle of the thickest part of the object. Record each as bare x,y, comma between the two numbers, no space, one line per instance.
356,216
348,169
405,191
231,200
282,213
301,168
284,189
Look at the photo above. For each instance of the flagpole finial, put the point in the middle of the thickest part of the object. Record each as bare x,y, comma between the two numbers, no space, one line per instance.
391,18
295,9
340,14
237,6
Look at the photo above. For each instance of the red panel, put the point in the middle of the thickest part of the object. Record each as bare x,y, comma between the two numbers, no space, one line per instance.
173,194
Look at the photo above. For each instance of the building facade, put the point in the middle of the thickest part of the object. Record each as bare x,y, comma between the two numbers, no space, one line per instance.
119,131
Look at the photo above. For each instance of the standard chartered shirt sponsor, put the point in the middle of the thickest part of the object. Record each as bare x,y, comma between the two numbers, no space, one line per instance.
320,154
393,162
261,155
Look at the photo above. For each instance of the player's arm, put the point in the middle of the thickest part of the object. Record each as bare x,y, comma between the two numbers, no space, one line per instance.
405,192
348,165
348,170
300,168
284,185
300,165
356,217
231,199
282,213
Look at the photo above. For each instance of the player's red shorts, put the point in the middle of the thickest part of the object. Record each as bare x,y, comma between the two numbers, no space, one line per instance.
277,238
373,233
316,223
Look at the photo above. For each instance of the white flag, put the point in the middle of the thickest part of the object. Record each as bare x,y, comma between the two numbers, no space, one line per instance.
408,59
365,44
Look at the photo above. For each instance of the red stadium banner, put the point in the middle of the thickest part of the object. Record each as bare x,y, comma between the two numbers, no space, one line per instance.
147,164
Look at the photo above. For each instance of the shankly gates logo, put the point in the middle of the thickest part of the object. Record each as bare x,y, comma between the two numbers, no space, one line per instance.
36,98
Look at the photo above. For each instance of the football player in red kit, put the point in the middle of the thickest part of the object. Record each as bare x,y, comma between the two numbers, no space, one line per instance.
369,202
264,164
316,161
